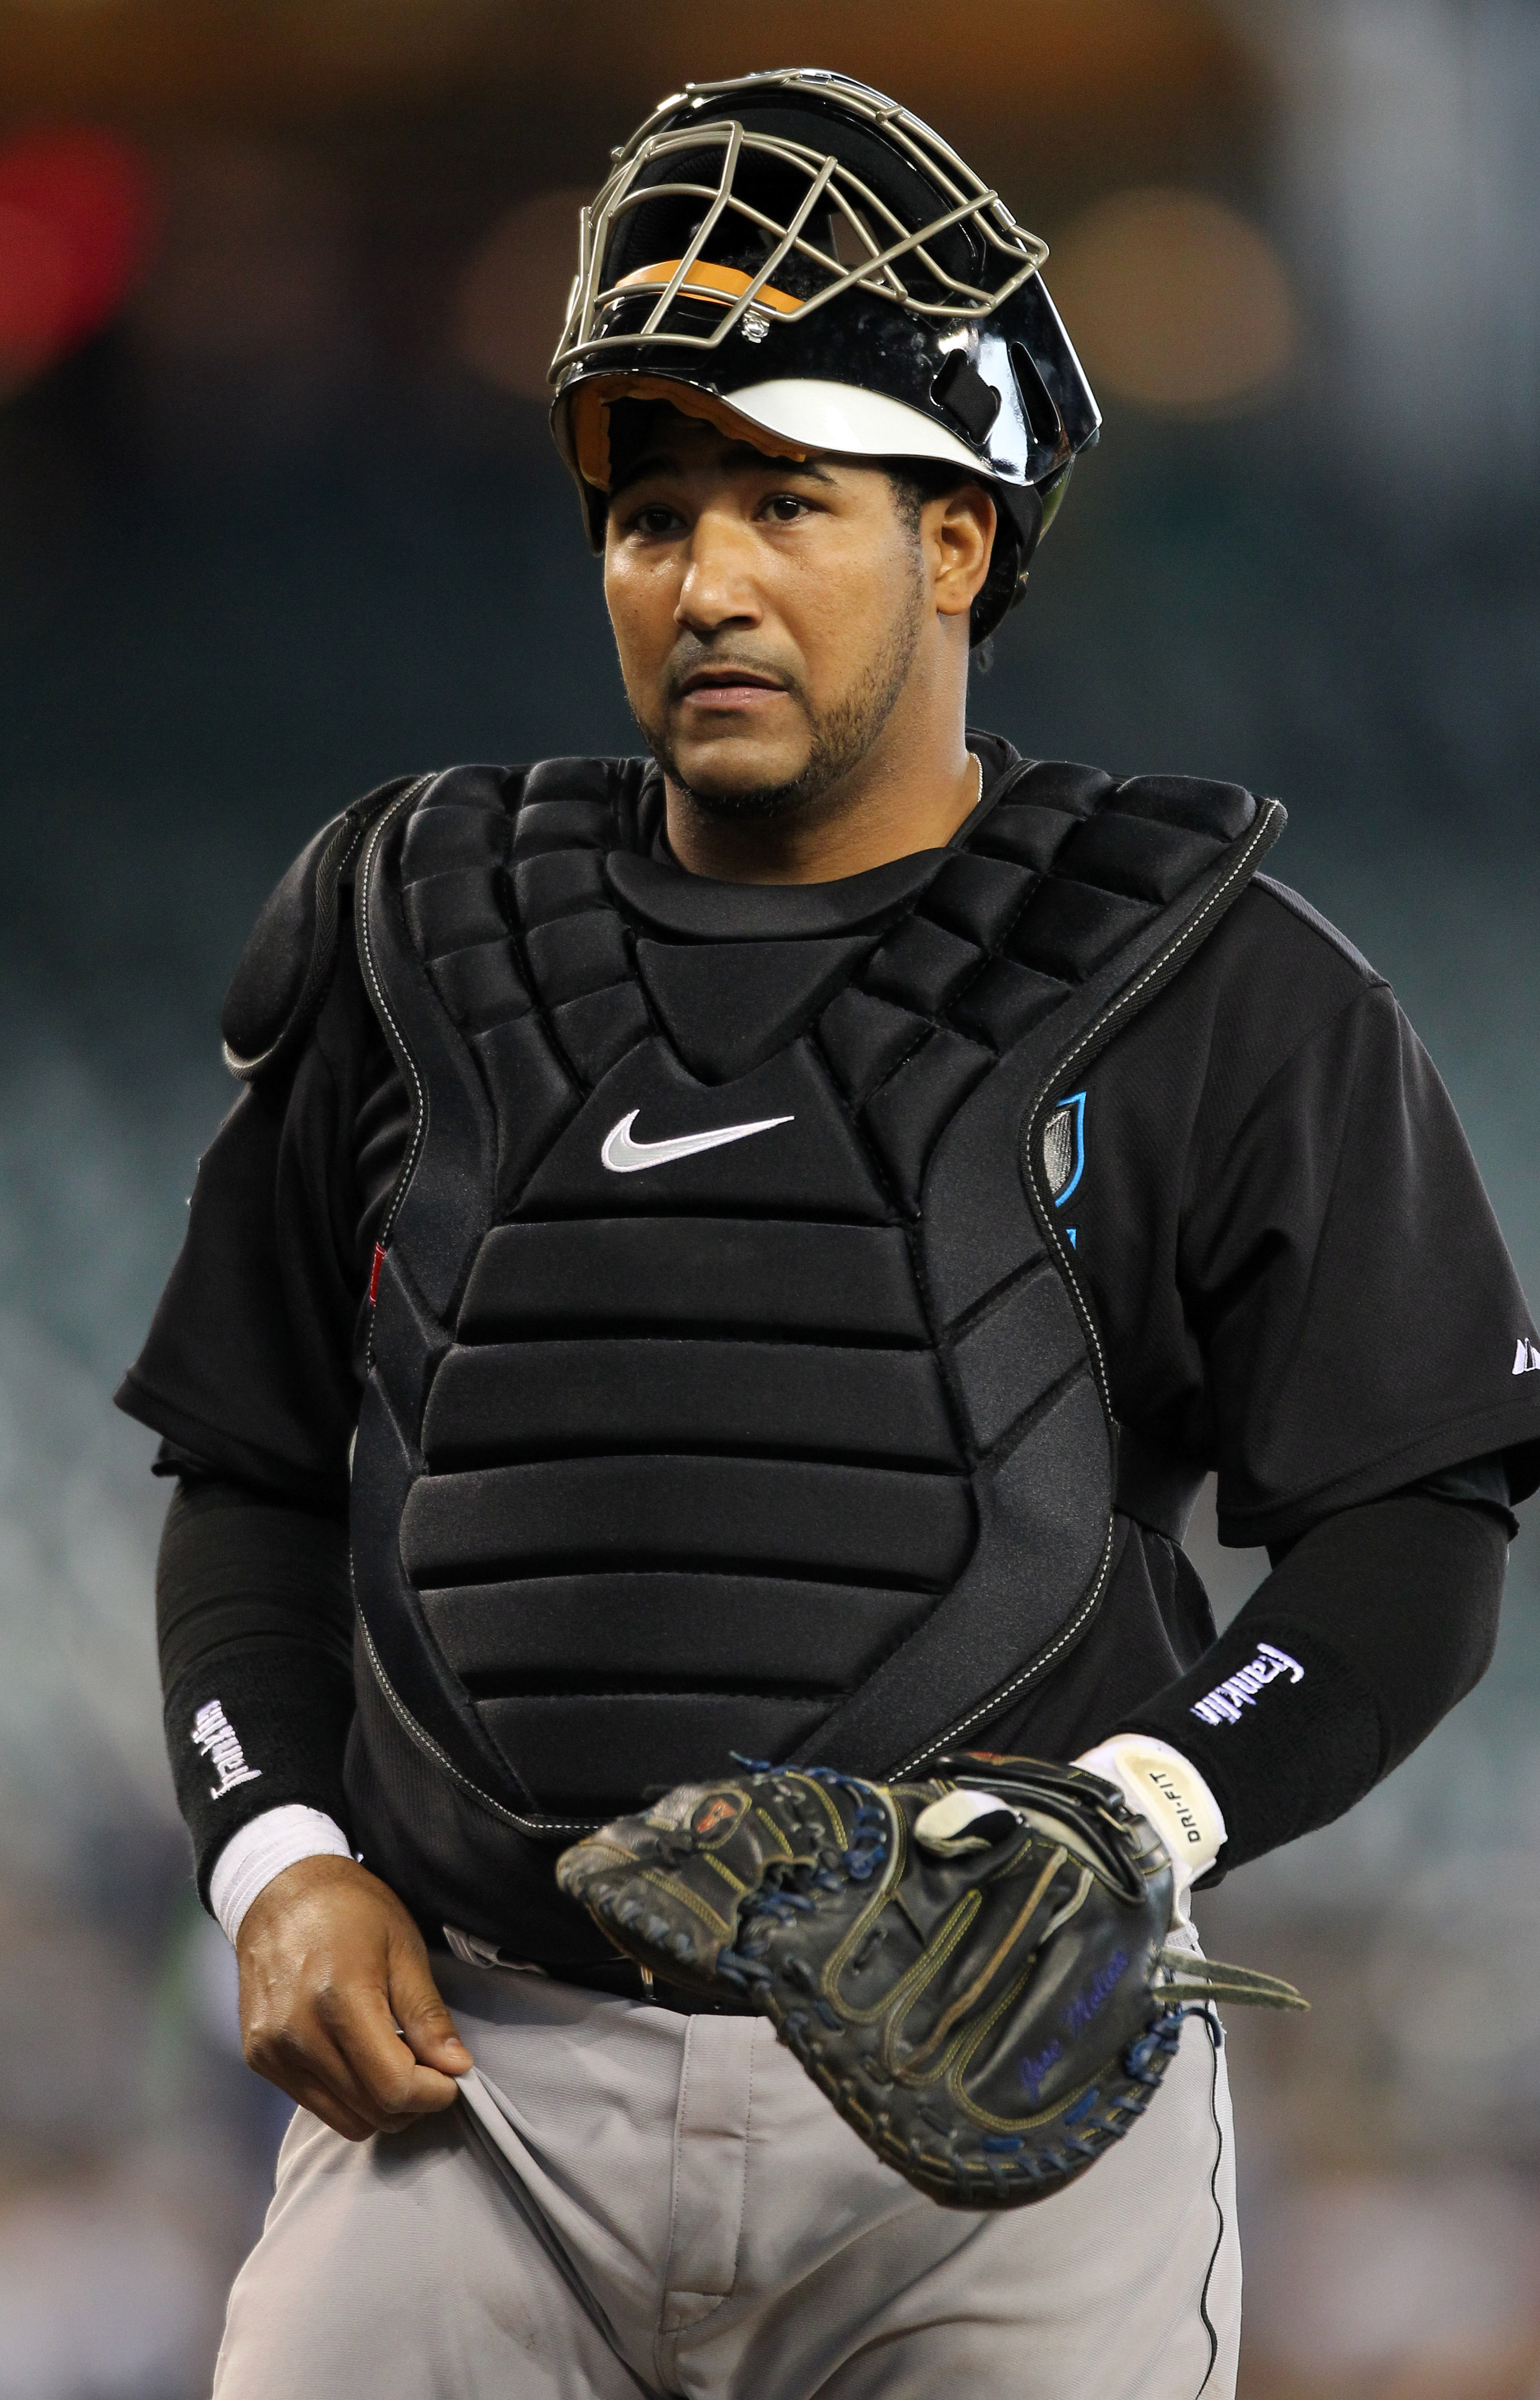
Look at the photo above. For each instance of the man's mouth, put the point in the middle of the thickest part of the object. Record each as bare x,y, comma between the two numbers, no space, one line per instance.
722,685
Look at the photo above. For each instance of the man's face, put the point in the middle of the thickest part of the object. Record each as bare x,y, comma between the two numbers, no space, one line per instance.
767,614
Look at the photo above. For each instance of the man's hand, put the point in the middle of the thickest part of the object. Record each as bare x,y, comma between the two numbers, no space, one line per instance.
337,2004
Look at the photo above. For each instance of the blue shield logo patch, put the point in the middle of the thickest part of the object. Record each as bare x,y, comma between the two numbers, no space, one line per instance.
1064,1147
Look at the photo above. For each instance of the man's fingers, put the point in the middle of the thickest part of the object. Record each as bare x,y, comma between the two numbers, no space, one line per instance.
387,2082
304,2061
331,1965
320,2075
343,2059
426,2025
353,2124
323,2103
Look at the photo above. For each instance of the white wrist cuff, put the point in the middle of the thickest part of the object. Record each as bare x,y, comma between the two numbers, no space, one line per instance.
1166,1789
278,1838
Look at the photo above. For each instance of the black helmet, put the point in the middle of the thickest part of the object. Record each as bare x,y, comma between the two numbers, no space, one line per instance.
797,259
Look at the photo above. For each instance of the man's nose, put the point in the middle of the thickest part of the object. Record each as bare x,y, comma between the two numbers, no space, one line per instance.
719,587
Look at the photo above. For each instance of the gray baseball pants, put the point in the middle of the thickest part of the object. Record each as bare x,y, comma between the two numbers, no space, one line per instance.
630,2202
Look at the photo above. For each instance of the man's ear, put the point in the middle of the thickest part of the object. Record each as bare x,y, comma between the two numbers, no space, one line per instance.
961,540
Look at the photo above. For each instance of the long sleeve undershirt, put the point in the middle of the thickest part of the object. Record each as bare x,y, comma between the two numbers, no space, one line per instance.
254,1618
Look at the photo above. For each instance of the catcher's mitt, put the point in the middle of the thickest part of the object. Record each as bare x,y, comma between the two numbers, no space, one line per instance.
974,1969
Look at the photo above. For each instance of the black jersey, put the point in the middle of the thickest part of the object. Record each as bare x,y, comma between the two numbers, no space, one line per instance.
1296,1270
1293,1272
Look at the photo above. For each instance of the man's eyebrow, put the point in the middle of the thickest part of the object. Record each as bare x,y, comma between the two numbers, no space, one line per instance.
739,454
658,462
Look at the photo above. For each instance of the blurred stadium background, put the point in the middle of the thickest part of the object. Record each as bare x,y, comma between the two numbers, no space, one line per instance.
279,517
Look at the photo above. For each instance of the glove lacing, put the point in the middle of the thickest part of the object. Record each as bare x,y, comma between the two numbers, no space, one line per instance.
785,1890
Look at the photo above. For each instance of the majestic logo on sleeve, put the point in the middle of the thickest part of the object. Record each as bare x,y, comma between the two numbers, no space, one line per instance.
1224,1703
625,1156
216,1737
1526,1358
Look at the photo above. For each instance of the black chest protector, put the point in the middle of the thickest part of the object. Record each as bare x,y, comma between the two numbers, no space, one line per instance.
731,1389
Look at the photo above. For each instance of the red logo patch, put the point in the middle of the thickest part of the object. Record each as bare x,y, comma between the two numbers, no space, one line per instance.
721,1812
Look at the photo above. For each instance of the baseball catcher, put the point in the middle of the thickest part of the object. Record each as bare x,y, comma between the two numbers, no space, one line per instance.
688,1375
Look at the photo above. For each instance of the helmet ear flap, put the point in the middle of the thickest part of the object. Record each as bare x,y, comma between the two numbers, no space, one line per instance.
1019,529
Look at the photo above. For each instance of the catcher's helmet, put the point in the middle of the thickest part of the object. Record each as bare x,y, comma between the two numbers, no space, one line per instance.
797,259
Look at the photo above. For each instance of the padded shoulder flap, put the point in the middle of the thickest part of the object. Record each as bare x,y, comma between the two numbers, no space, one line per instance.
282,974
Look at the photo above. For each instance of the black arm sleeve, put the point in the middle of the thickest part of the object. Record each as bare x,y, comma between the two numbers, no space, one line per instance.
254,1619
1366,1632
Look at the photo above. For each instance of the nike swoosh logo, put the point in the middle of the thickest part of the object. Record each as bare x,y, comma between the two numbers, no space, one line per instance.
624,1156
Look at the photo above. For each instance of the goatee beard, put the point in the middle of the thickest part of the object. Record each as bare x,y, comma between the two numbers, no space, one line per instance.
841,738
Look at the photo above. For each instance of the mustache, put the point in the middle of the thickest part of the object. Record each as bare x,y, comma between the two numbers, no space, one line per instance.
693,657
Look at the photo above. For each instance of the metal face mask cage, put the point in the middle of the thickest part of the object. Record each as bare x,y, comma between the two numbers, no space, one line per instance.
801,261
871,246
